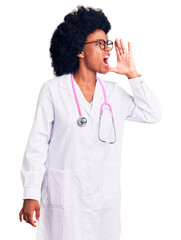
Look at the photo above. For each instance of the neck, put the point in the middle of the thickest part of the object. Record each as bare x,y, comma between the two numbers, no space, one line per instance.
86,78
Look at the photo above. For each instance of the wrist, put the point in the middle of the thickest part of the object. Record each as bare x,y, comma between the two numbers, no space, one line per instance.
132,75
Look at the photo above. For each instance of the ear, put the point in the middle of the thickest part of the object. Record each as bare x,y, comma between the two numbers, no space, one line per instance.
80,55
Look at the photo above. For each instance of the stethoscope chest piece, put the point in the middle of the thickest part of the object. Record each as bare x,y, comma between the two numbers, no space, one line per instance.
81,121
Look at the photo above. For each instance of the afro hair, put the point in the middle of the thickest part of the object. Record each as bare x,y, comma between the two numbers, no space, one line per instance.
70,36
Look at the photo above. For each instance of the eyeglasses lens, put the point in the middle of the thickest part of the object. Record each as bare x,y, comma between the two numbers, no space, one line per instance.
104,44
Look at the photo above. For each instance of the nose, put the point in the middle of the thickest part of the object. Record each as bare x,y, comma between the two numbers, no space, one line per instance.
107,47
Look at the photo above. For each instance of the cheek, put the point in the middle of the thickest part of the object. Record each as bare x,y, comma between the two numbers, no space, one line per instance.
93,59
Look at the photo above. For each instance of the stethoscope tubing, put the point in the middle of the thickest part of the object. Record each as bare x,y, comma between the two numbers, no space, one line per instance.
81,121
104,92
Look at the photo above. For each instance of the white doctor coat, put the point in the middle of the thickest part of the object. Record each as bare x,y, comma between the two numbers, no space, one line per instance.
75,176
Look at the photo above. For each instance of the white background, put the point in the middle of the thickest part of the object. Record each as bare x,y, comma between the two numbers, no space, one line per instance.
151,158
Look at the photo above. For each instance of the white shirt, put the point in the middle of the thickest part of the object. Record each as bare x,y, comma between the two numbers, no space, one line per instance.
76,175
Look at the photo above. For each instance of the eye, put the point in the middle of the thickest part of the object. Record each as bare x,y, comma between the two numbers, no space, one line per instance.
101,42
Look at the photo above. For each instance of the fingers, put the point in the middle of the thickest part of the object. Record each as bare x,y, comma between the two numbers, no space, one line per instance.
31,221
124,50
121,49
20,215
37,214
118,48
25,217
28,217
129,48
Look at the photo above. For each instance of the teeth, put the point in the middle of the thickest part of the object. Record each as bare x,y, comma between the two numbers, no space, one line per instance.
106,57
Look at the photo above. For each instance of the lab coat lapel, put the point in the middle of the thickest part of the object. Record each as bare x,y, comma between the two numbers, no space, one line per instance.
98,97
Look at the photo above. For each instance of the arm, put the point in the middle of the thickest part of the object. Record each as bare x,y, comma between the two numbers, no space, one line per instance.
33,168
143,106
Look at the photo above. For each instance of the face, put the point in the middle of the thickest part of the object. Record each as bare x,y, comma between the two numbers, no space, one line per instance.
93,56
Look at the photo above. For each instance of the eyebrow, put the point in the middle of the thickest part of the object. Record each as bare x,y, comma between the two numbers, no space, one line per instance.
101,39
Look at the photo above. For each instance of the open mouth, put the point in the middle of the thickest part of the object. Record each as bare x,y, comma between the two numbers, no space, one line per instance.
106,58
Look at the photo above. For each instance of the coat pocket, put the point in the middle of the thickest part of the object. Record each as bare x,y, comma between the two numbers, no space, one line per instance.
60,188
111,174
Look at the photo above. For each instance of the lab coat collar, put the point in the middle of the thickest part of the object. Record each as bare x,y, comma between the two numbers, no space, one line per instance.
98,98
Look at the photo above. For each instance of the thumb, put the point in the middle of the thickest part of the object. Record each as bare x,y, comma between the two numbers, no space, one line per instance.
20,215
112,69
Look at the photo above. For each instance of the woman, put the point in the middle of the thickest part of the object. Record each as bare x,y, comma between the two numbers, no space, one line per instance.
72,158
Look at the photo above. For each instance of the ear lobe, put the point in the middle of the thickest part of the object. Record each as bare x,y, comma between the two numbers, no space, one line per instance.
80,55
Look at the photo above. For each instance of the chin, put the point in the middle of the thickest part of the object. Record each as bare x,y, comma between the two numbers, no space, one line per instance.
103,72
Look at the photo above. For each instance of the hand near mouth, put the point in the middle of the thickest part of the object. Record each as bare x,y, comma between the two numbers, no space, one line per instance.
125,61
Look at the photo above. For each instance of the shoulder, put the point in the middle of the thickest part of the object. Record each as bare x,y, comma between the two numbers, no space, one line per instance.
56,81
109,85
113,86
52,82
116,91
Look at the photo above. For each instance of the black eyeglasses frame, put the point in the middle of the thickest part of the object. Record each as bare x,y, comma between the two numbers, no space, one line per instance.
109,42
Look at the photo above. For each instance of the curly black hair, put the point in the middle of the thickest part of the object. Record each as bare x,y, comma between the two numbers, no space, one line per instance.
70,36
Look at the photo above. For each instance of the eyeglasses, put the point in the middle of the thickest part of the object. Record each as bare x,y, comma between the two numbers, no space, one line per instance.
102,43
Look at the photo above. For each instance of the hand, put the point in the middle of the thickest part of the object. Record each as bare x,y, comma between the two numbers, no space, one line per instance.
29,206
125,61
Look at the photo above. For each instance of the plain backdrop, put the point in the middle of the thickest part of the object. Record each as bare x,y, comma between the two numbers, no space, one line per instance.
151,158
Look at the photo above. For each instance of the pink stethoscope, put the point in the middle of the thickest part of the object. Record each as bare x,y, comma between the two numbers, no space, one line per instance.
81,121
